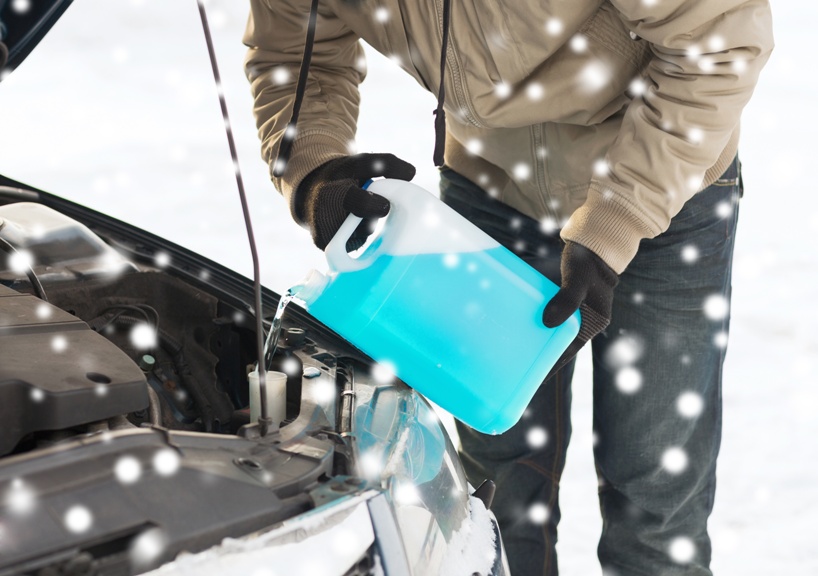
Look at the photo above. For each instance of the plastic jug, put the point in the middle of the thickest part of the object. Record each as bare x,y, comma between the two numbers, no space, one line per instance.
456,314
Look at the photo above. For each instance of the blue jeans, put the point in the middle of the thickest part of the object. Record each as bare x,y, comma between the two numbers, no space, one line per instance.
657,395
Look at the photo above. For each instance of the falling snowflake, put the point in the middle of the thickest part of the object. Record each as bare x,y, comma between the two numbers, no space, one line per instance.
166,462
431,219
291,366
522,171
538,513
548,225
694,183
101,390
695,135
690,404
638,298
370,464
127,469
162,259
601,168
281,75
502,90
59,343
21,261
740,66
554,26
536,437
626,350
716,307
637,87
20,498
686,360
382,15
475,146
628,380
78,519
384,372
723,209
148,547
535,91
693,52
451,260
690,254
485,284
407,493
594,76
682,550
323,392
21,6
579,43
674,460
515,223
143,336
37,395
706,64
720,339
519,246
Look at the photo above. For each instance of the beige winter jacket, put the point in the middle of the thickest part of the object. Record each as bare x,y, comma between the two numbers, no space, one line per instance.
604,116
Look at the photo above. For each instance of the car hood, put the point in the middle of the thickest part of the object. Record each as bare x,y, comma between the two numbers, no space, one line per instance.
23,24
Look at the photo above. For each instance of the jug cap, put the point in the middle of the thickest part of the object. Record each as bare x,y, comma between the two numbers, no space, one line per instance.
310,286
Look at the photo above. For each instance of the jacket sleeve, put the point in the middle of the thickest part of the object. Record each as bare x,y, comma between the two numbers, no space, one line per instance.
706,59
276,34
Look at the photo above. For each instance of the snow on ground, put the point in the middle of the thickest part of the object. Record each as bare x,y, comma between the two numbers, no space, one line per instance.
117,110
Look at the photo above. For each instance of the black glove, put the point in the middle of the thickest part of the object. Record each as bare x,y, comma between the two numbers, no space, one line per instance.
332,191
588,284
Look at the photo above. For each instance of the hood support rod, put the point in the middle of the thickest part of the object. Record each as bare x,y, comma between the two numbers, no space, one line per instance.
264,420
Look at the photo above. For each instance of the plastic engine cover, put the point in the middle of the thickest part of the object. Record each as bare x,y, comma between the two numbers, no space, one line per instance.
55,372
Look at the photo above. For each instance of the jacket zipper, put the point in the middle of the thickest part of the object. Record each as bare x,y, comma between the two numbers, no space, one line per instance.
540,154
464,107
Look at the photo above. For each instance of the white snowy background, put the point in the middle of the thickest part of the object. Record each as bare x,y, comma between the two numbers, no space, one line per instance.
117,110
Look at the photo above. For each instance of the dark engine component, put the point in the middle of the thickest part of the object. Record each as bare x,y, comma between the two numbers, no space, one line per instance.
56,373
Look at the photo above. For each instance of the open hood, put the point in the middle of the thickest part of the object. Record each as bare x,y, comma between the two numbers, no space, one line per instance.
23,23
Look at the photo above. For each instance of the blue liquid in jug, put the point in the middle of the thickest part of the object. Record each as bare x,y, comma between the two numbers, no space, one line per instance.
463,329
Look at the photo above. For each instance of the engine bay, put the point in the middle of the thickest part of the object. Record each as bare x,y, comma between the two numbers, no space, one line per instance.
117,349
116,342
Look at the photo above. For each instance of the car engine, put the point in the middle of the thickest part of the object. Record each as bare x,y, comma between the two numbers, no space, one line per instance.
117,343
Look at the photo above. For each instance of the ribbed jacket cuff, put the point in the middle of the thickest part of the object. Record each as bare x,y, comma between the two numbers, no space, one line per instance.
607,226
310,151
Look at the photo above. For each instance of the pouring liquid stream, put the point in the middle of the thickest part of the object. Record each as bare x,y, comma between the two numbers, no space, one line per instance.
271,344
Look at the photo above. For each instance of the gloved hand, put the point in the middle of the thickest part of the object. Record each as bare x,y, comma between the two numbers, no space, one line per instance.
587,284
334,190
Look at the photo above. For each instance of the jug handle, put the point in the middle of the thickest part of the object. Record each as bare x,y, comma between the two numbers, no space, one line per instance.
336,251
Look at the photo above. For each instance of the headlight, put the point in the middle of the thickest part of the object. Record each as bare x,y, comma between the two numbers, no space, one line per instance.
402,445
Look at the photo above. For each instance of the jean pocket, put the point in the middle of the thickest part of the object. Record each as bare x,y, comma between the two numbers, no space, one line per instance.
731,176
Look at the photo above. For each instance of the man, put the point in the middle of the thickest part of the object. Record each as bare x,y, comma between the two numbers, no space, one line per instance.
596,137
